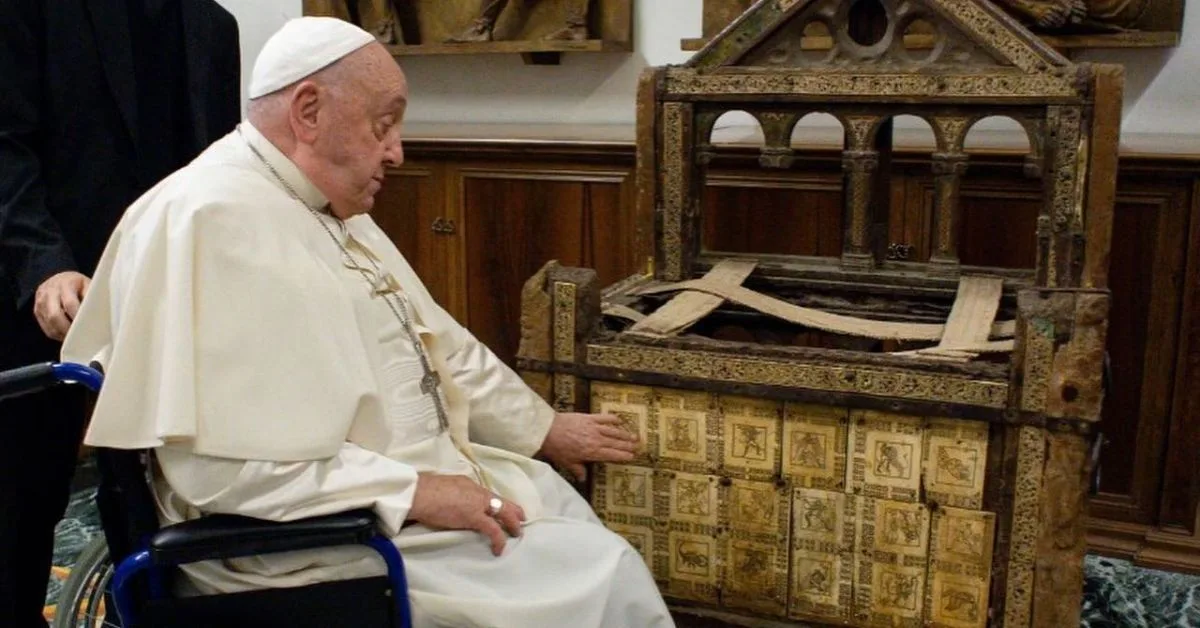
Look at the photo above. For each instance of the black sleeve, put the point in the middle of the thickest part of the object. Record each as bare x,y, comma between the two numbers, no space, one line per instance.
32,246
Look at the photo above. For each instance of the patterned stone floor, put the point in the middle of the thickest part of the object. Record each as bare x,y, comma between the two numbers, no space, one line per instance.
1116,594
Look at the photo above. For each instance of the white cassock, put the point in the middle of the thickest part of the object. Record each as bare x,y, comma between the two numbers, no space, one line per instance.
273,382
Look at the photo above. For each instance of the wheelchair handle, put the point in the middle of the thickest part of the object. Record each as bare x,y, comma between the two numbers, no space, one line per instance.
37,377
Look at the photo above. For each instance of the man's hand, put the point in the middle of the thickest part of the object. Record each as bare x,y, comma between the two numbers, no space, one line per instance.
575,439
57,302
454,502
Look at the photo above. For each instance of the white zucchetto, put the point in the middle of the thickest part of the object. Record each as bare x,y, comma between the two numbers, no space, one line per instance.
302,47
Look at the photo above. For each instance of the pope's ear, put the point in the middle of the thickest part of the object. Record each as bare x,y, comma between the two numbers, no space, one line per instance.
306,104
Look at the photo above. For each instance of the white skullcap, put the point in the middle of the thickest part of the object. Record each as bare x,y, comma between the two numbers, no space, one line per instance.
302,47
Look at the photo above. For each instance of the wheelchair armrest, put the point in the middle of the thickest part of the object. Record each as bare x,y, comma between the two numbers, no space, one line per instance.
230,536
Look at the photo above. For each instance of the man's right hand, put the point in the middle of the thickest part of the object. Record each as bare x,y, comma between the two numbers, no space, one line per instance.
455,502
57,302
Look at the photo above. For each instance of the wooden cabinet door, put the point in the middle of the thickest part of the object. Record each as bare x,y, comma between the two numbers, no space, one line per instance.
411,209
518,218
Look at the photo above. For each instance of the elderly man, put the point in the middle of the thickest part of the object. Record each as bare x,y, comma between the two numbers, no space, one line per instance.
276,351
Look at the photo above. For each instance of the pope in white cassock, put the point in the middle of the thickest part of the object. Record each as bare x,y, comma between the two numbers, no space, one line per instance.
265,338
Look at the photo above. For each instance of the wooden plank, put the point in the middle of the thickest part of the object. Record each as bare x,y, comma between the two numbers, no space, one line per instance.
690,306
1108,89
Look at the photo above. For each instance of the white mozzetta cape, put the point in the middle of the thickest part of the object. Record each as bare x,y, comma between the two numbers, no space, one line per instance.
221,322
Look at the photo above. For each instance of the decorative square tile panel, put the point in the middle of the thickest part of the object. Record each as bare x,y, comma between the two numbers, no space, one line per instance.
750,434
822,570
632,405
886,454
814,445
955,462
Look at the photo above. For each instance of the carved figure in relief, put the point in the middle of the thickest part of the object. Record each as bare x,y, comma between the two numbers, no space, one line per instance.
1088,15
901,527
892,459
753,505
692,497
575,28
753,563
817,514
965,538
629,490
629,421
956,465
692,557
378,17
637,541
819,580
680,435
753,441
960,604
899,590
808,450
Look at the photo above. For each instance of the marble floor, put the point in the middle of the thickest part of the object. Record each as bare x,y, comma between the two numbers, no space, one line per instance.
1116,594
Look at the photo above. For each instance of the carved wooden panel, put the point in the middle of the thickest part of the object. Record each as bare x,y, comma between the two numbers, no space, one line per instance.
518,219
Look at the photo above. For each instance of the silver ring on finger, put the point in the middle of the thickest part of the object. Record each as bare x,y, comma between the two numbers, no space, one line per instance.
494,506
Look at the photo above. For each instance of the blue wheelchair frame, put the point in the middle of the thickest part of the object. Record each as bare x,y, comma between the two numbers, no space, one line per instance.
149,559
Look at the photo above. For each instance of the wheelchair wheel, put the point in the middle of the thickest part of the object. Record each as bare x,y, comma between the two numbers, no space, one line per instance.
81,603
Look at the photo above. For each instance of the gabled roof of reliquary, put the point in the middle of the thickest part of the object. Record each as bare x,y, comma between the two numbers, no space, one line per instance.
972,51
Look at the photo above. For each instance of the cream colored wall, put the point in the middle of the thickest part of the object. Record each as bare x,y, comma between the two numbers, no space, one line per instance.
1162,86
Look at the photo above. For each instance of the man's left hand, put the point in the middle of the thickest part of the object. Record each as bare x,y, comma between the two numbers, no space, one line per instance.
576,439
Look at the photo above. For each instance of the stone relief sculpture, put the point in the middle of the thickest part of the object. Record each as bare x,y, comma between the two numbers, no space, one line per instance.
575,28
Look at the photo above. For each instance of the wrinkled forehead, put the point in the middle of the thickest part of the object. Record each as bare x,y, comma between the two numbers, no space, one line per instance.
381,78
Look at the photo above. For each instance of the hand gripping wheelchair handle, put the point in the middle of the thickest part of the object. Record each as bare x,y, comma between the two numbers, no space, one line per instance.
37,377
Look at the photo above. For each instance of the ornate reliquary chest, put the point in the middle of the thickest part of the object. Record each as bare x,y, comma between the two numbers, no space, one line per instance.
853,440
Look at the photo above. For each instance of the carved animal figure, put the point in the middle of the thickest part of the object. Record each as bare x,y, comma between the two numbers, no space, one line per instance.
960,604
955,467
691,555
818,581
753,562
818,515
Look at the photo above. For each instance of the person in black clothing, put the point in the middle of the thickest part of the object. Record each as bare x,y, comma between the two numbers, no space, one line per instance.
101,100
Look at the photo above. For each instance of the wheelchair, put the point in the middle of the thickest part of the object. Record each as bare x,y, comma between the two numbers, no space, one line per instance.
130,568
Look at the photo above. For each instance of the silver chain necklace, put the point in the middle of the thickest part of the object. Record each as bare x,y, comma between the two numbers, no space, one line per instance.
430,381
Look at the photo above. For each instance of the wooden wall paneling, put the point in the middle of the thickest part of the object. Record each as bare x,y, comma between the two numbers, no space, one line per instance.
409,207
518,218
1181,489
910,219
1145,276
757,212
1170,547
